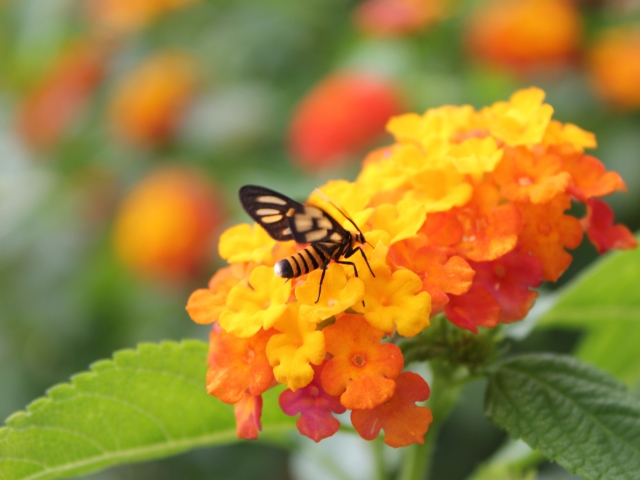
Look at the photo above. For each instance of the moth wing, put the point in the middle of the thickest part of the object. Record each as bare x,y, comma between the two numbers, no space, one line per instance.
312,224
271,210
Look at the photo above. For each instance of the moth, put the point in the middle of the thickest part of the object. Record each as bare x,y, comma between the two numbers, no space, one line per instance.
285,219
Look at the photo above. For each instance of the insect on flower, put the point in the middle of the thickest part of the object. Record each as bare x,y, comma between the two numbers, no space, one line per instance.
285,219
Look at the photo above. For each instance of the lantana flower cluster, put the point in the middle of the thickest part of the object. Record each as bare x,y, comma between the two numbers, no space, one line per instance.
465,214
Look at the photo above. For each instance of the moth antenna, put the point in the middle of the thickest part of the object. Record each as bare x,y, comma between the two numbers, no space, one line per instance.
337,206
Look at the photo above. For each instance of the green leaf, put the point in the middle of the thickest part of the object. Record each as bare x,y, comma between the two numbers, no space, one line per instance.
605,301
607,292
145,403
573,413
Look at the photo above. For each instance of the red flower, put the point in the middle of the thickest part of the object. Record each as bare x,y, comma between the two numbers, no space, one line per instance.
602,232
402,420
315,406
60,97
343,114
509,279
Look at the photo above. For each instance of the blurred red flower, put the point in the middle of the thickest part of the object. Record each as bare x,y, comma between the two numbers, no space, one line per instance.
343,114
58,99
525,34
165,226
397,17
614,63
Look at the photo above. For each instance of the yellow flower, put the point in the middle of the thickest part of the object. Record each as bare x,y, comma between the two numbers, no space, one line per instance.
440,190
442,123
346,196
395,301
558,133
522,120
243,243
400,221
475,156
337,294
381,173
292,350
256,306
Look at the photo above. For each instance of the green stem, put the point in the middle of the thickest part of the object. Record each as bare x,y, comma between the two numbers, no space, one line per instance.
380,466
446,386
417,458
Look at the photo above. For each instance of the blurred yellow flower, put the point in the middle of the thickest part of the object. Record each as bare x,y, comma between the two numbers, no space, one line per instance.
165,227
614,63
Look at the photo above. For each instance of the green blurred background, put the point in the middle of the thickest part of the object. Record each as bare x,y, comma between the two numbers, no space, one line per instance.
127,127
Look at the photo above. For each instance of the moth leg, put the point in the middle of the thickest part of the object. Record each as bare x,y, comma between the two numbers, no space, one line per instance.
363,256
324,270
355,270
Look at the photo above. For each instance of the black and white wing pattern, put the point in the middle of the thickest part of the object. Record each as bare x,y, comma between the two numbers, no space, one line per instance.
286,219
270,209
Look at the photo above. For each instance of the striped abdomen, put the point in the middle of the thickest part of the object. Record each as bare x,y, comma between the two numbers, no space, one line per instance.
302,262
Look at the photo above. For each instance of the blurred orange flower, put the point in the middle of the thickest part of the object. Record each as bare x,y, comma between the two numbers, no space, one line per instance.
59,98
525,34
148,104
614,62
123,16
397,17
343,114
165,226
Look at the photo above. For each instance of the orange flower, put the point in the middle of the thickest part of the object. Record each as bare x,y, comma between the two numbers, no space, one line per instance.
124,16
148,104
490,230
237,365
614,63
361,370
524,175
343,114
248,412
441,274
165,225
547,232
59,98
402,420
465,212
206,304
397,17
512,33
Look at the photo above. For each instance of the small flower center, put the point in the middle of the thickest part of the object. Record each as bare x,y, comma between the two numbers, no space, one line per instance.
314,391
267,304
499,271
331,302
359,360
544,228
248,356
525,181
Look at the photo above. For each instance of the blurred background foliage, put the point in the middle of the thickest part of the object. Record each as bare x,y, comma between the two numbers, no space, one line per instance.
127,127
